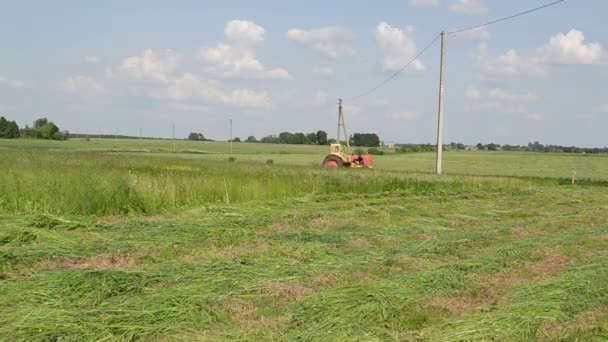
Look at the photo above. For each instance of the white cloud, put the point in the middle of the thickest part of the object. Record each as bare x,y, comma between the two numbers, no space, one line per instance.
570,48
15,84
153,74
320,98
325,71
469,7
92,59
403,116
245,32
83,85
237,58
511,63
238,62
504,95
423,3
190,86
472,93
332,41
151,65
398,47
498,95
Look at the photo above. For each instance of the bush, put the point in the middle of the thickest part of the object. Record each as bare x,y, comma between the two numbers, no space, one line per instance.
374,151
231,159
359,151
269,162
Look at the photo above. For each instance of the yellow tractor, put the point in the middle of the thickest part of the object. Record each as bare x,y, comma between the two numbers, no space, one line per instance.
337,158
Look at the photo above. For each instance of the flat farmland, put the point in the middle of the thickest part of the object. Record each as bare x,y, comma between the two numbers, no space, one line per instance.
126,240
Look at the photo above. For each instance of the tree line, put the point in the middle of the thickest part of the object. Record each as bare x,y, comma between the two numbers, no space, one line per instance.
8,129
314,138
41,129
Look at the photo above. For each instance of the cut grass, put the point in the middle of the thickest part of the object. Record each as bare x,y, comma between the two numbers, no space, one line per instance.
270,270
107,246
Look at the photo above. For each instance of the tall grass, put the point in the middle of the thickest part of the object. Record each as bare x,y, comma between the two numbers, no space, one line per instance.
88,183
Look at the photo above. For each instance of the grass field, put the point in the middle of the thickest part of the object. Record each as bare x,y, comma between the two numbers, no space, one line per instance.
127,241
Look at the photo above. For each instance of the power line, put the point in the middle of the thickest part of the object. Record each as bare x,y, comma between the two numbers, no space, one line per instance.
398,71
388,79
506,18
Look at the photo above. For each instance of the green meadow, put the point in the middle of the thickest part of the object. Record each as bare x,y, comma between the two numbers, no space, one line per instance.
144,240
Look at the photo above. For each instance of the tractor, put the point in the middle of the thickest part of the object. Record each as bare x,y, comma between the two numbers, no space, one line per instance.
337,158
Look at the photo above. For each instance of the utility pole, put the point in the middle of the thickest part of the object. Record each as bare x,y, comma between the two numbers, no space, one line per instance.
231,136
174,138
341,123
440,119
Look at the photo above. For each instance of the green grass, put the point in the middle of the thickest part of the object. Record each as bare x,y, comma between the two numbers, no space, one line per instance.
98,245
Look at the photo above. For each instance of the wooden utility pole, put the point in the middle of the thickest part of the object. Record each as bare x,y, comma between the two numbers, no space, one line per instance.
173,130
230,136
342,124
440,118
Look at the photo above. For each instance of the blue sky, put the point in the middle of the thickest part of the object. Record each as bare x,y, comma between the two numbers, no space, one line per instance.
277,66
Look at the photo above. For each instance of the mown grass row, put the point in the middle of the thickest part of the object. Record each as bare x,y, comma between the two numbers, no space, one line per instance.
80,183
502,266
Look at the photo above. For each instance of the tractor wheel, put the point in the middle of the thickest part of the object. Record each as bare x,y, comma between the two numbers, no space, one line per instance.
332,162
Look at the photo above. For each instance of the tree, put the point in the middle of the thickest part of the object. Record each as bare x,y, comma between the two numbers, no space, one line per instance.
270,139
47,130
297,139
251,139
237,139
493,147
365,139
196,137
3,127
321,137
311,138
40,123
284,137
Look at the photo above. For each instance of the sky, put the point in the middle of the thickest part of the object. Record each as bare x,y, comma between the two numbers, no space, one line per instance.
272,66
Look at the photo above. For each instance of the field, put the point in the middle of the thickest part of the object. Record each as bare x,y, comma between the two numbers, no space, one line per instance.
128,240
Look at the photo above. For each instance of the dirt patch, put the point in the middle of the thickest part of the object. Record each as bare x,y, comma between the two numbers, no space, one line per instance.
325,281
322,223
588,321
409,263
241,311
364,277
108,261
423,237
279,228
526,233
549,266
464,302
286,291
